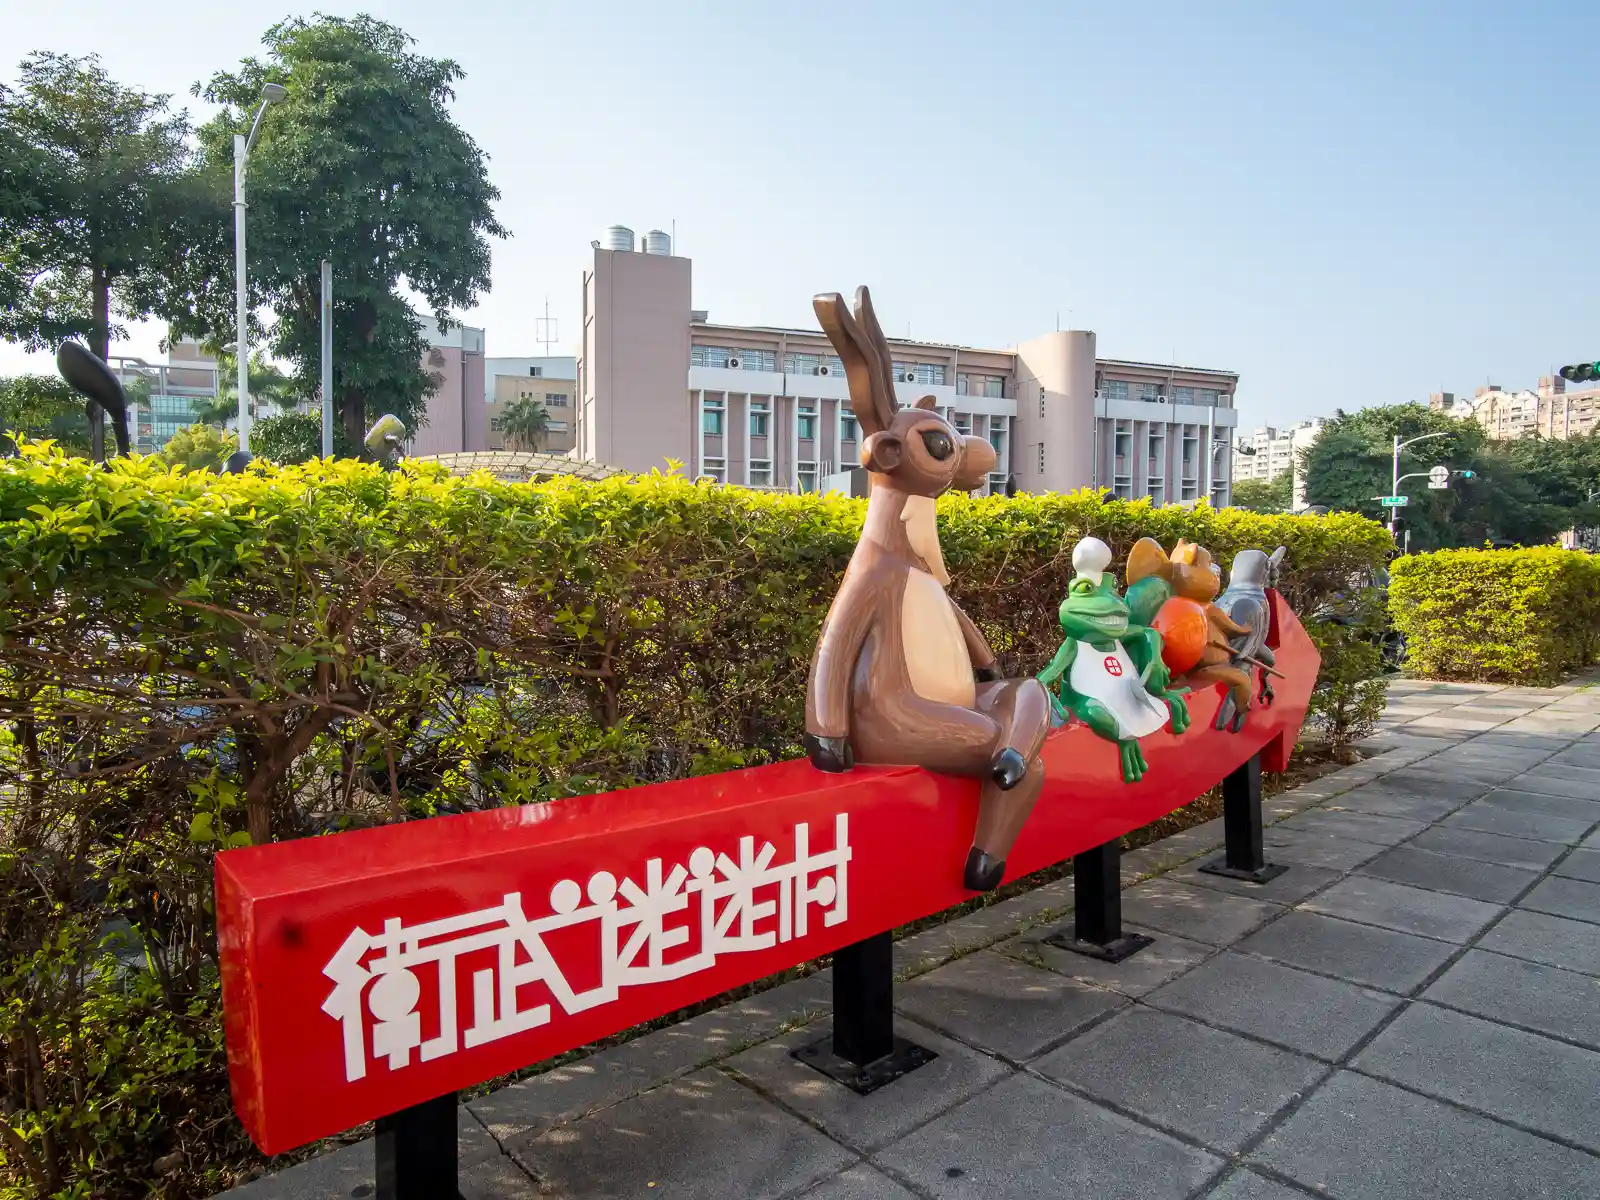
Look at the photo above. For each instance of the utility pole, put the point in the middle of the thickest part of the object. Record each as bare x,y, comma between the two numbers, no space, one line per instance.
1394,479
327,359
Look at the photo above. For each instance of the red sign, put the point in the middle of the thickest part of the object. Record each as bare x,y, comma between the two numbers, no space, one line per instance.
1113,666
369,971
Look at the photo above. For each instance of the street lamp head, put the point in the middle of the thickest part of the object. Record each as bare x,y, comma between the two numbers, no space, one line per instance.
273,92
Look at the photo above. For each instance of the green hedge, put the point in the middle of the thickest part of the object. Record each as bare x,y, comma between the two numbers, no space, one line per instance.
189,661
1516,616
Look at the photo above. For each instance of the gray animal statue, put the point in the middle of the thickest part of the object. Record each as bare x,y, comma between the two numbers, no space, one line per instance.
1245,602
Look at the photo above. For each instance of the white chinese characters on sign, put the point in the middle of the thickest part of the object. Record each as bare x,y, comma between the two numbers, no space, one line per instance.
674,922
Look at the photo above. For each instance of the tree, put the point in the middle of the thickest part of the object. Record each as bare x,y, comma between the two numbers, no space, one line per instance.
109,214
1525,491
362,165
199,448
525,422
39,407
1265,495
1350,466
294,437
268,385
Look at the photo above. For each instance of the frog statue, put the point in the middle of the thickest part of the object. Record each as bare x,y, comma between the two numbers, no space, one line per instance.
1108,672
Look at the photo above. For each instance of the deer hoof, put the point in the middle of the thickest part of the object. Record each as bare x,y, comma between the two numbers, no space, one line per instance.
983,873
1008,769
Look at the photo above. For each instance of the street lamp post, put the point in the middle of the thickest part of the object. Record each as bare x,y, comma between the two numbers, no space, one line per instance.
1394,479
270,94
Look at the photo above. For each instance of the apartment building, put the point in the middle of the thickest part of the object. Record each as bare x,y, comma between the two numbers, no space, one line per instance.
1550,410
551,381
768,407
1268,453
456,419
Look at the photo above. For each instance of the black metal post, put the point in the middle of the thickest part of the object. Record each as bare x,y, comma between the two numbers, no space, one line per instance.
1097,907
1244,856
864,1053
416,1152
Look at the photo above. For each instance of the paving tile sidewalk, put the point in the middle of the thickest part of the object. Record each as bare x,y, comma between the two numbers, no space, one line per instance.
1413,1010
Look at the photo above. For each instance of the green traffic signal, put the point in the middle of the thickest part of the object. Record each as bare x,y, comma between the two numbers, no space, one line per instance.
1581,372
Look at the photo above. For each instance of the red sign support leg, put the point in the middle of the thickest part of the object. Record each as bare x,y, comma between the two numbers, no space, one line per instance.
864,1053
1244,855
1097,907
416,1152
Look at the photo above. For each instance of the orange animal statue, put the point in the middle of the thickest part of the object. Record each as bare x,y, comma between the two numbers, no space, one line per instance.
1193,577
900,674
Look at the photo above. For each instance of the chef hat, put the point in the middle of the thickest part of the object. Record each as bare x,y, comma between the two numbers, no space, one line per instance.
1090,558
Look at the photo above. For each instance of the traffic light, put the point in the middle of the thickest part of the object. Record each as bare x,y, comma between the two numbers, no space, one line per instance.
1581,372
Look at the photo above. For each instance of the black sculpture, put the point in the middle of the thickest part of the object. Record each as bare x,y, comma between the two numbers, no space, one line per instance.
88,375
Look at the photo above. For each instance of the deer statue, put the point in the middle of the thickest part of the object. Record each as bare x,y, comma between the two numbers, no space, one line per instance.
901,675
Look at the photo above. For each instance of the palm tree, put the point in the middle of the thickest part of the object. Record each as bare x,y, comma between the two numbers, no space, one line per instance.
525,422
267,384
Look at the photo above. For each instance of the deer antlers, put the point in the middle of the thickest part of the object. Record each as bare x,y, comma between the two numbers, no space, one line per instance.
861,346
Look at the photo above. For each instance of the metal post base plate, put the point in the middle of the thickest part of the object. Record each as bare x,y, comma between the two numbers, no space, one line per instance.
1262,874
903,1059
1113,951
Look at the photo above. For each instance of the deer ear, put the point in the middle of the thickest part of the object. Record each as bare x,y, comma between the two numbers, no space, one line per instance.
881,453
927,402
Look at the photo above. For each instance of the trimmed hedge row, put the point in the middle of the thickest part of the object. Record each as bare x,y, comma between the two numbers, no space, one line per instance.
190,661
1513,616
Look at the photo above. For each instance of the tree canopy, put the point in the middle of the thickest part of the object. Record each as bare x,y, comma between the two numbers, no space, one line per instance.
360,164
105,201
525,422
41,407
1264,495
1525,491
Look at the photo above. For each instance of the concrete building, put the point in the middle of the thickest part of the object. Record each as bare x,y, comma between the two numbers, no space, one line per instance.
552,381
1551,411
769,407
1269,452
457,420
188,376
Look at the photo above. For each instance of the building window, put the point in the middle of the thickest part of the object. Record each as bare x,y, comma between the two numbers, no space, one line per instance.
555,400
1147,393
760,472
497,424
1116,389
994,387
708,356
997,483
848,430
1183,395
758,418
808,476
997,439
711,420
808,422
1207,396
963,423
1041,458
1041,401
931,373
963,385
758,360
536,372
717,468
801,364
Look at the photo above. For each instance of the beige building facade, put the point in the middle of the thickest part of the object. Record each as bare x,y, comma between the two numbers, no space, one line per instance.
1550,410
556,394
768,407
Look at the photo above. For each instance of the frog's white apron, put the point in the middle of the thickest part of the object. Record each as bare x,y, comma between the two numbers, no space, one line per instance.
1111,678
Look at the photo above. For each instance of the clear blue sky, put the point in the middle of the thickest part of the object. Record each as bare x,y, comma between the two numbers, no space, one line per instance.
1348,206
